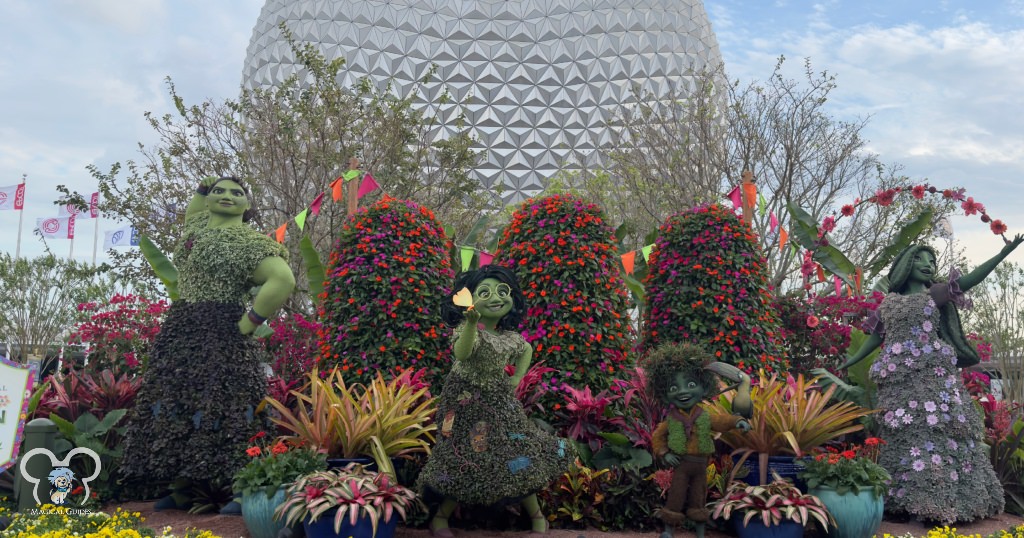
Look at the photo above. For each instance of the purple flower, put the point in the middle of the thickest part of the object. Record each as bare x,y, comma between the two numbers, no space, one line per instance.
927,348
891,367
896,348
915,352
933,420
908,362
940,371
968,467
929,446
912,404
954,476
907,419
928,310
914,451
927,326
952,444
900,412
944,407
929,406
961,418
918,465
936,459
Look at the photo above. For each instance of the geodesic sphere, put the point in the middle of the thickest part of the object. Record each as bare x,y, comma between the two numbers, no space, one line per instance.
538,80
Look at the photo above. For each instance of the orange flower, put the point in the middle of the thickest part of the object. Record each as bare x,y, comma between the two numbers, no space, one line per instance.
279,448
253,451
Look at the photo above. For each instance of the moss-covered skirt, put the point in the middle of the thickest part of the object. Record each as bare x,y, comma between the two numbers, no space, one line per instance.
488,451
193,416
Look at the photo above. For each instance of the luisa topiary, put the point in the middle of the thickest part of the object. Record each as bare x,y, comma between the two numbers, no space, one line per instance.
565,258
707,285
386,279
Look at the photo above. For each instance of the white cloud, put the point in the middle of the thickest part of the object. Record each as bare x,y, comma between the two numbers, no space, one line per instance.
134,17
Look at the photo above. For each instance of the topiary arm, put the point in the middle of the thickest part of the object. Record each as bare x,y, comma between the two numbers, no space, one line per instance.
198,203
975,277
463,347
871,344
277,283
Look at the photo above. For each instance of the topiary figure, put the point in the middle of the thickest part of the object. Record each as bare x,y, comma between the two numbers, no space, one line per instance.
386,280
707,285
565,258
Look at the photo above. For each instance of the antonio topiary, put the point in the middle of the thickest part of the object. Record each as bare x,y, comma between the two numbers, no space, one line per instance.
566,261
707,285
386,280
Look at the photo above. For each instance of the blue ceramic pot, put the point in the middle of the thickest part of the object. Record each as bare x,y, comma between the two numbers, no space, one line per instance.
324,527
856,515
756,528
258,513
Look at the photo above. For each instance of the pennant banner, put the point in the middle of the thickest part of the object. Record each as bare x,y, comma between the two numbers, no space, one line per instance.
13,197
350,175
336,189
485,258
783,237
314,208
57,227
839,285
367,186
629,261
466,253
300,219
647,251
750,193
762,205
279,233
773,222
734,196
126,236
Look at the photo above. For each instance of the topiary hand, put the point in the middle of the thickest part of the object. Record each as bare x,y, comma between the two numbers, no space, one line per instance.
743,425
672,459
246,326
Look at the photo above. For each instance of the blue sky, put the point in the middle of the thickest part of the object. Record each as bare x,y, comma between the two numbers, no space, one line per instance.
943,83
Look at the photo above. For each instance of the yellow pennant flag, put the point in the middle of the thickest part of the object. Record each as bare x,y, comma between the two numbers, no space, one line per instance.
300,219
467,257
646,251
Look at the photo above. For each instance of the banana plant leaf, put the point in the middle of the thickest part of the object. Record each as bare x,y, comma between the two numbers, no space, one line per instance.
162,266
805,229
315,273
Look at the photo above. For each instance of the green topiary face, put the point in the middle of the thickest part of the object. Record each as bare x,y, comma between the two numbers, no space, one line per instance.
386,280
565,259
706,284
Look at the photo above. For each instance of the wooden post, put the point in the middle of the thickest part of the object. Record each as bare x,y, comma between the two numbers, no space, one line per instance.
748,208
353,187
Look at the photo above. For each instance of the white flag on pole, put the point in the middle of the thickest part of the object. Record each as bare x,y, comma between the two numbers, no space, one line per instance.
12,197
57,227
68,210
126,236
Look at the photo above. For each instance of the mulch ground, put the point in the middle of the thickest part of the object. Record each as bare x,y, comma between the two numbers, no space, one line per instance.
234,527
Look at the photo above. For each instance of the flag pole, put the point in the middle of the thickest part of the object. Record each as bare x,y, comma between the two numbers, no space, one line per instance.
21,220
95,238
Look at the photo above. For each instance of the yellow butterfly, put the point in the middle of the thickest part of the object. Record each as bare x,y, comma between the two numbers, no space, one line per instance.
463,298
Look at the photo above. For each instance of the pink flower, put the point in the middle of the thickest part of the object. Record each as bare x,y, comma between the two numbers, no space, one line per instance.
918,191
885,198
998,227
828,224
812,321
847,210
971,207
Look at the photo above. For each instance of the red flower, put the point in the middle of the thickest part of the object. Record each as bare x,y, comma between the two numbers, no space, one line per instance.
847,210
971,207
828,224
849,454
885,198
253,451
812,321
259,435
279,448
998,227
918,191
872,441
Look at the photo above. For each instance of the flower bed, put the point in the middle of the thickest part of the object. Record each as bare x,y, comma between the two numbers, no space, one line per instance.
50,521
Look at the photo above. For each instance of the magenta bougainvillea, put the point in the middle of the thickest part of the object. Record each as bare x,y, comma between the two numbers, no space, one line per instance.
117,334
293,347
707,285
817,329
386,280
565,258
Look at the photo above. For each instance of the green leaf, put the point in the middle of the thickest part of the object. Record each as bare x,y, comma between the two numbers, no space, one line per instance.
162,266
477,230
315,273
617,439
263,331
805,229
109,421
87,423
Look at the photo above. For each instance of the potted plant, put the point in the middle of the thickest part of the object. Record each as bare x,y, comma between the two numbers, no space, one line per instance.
775,509
382,421
851,484
264,479
791,416
350,501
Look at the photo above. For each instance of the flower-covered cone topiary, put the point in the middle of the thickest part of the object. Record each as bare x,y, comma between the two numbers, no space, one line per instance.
567,264
707,285
386,279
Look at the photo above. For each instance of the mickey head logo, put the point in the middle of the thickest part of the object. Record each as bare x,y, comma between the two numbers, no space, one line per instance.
34,480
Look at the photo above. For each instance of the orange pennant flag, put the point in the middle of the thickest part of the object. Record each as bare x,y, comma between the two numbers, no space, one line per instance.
280,232
628,261
783,237
750,193
857,278
821,273
336,189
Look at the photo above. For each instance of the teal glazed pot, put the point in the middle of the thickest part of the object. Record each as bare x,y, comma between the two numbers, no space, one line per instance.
856,515
258,513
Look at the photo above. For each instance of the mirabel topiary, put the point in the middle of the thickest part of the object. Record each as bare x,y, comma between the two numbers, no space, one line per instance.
386,279
706,285
565,259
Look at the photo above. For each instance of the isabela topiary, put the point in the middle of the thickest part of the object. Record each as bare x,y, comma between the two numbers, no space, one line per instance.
707,285
565,259
386,279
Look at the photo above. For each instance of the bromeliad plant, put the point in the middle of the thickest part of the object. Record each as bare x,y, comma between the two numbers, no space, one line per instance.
772,503
854,469
382,420
274,466
353,492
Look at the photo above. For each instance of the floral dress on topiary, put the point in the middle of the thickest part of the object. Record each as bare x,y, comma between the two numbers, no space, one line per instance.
194,413
488,451
934,433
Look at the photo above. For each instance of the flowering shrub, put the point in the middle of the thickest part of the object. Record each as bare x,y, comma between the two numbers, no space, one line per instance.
853,469
293,346
385,282
117,334
565,259
817,329
62,522
274,465
707,285
951,532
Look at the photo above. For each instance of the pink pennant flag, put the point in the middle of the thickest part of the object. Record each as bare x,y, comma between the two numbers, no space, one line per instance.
734,195
839,284
367,186
314,208
773,222
485,258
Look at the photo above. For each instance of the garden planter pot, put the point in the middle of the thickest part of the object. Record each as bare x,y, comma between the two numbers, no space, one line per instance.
258,513
856,515
785,466
756,529
324,527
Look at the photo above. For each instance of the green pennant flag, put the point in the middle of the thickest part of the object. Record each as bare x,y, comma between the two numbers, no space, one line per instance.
646,251
350,175
300,219
467,257
762,205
